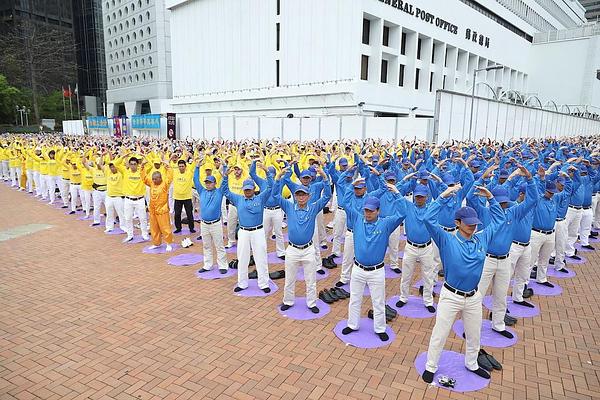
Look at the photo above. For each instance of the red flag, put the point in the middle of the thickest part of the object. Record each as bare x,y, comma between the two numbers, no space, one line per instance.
67,92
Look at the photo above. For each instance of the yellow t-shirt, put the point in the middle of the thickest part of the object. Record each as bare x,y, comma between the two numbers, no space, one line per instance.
75,174
52,167
133,185
182,183
99,178
114,182
87,179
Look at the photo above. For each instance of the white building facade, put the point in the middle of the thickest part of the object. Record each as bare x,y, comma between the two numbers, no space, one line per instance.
138,56
363,57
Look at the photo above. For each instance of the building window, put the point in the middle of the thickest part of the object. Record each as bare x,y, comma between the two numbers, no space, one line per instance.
401,77
148,30
417,79
403,44
431,82
148,15
149,45
150,60
446,58
444,82
278,27
384,71
433,53
364,68
386,35
151,75
277,72
366,32
143,76
278,7
419,49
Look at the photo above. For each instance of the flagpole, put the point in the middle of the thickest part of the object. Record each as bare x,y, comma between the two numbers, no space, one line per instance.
70,103
63,101
78,104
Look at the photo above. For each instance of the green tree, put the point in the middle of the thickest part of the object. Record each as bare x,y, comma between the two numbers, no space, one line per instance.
10,96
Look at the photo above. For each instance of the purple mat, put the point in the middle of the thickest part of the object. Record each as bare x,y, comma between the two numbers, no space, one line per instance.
569,260
136,239
300,274
594,240
452,364
582,249
542,290
285,238
560,275
330,239
488,336
214,273
338,260
116,231
273,259
162,249
186,259
364,337
437,287
254,291
414,308
300,311
389,274
515,310
366,292
68,212
232,250
84,218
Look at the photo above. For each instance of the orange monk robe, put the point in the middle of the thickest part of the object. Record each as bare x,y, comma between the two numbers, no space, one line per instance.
160,221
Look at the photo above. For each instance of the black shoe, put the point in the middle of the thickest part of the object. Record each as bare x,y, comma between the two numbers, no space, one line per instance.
65,207
253,275
575,251
391,311
593,234
505,333
96,224
400,304
347,330
192,231
202,270
223,271
527,293
427,376
332,294
266,290
588,247
547,284
237,289
341,294
325,297
575,257
320,272
397,270
383,336
274,275
72,212
199,238
483,362
431,309
441,273
323,247
328,263
233,264
281,257
421,290
509,321
490,358
533,274
388,316
481,372
524,304
177,231
252,262
339,284
284,307
326,210
563,270
273,237
314,309
551,260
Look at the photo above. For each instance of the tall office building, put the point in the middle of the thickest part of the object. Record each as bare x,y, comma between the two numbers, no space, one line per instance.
592,9
89,39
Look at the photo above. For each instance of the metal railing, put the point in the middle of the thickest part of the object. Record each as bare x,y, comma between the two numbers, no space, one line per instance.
567,34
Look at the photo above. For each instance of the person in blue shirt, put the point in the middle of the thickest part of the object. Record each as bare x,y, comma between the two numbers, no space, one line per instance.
590,178
339,218
418,248
463,256
211,228
371,237
301,217
251,236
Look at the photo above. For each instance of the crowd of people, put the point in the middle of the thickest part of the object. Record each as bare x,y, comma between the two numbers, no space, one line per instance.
477,214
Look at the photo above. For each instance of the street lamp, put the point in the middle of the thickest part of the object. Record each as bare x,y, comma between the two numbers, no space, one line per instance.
21,110
475,71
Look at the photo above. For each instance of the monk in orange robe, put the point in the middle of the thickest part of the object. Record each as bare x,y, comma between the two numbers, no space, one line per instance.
160,222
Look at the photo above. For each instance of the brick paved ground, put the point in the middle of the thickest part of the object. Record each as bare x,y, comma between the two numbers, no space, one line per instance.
84,317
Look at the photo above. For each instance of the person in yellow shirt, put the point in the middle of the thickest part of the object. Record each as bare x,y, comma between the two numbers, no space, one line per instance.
183,180
4,163
52,175
114,197
75,182
35,159
43,173
15,167
134,191
65,178
28,171
99,186
160,221
87,180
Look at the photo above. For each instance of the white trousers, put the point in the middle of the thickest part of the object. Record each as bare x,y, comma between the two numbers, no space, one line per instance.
252,242
74,191
541,248
63,187
520,262
38,185
348,257
16,176
375,280
394,247
29,185
139,208
51,185
114,205
339,231
449,305
320,224
272,221
596,210
585,227
424,255
573,222
86,200
300,258
5,170
43,187
560,242
317,248
213,234
232,220
99,199
498,272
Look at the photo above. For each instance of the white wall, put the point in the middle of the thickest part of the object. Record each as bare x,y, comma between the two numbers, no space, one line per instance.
73,127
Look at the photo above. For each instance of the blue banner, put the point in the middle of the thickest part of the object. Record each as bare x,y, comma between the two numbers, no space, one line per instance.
97,122
145,121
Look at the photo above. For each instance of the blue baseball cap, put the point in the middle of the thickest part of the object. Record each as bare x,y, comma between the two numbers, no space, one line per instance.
421,190
448,179
248,184
375,156
551,187
475,163
468,215
359,185
500,194
389,175
504,173
343,161
210,178
522,188
305,174
423,174
302,188
561,179
405,161
371,203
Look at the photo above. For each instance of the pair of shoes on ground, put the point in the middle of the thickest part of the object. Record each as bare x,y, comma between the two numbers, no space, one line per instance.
313,309
390,313
487,361
328,262
334,294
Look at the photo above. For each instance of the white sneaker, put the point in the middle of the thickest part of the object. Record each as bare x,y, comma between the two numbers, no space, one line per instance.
145,237
283,225
169,248
107,230
153,247
230,245
128,239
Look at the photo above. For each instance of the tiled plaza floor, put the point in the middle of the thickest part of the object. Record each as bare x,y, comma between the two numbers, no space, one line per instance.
83,316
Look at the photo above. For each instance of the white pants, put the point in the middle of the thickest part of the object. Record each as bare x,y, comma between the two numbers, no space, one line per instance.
99,199
320,224
348,257
232,220
498,272
5,170
424,255
29,185
449,305
63,188
585,227
295,258
15,176
86,200
43,187
139,208
75,190
38,184
541,248
596,210
213,234
375,280
272,221
573,222
560,242
112,205
339,231
317,248
394,246
252,242
520,262
51,186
